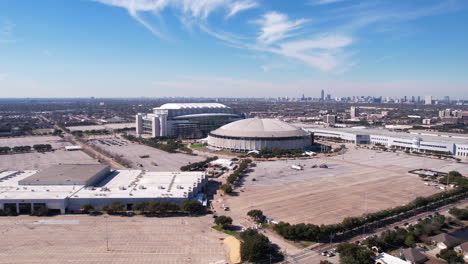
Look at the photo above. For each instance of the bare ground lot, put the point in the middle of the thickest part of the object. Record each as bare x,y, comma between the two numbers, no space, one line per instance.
132,151
359,181
82,239
54,141
35,160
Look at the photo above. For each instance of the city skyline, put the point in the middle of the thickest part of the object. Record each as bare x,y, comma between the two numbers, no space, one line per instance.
245,48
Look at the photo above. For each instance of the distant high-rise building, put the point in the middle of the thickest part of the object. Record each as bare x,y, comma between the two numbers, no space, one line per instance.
428,100
412,99
447,99
419,99
322,95
405,99
329,119
328,97
353,112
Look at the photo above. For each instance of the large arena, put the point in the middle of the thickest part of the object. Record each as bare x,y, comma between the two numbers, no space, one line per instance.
256,134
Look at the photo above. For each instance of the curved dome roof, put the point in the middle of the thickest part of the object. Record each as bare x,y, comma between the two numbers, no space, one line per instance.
256,127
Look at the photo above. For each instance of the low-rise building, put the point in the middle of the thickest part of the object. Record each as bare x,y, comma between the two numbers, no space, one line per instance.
65,188
420,142
444,241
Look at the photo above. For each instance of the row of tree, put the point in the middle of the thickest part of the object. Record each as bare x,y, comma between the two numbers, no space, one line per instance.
198,166
150,207
234,177
23,149
460,214
349,225
276,153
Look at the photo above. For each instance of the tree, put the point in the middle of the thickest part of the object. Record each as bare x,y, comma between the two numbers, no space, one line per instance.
223,221
256,215
115,207
255,246
325,262
410,240
352,254
140,206
87,207
450,256
226,188
192,206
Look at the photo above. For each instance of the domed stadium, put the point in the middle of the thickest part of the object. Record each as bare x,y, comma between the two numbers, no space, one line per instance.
255,134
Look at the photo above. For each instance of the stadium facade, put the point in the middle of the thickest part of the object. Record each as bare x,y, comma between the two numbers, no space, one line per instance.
187,120
256,134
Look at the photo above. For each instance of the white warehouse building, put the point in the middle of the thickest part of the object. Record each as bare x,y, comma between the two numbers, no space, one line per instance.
184,119
64,188
256,134
457,146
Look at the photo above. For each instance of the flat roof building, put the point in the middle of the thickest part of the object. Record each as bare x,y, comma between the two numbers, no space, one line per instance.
421,142
125,186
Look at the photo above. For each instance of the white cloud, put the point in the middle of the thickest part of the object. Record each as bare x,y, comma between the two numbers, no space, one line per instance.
325,2
276,26
191,9
238,6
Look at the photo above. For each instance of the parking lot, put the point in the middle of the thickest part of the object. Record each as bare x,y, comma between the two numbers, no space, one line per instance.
150,158
35,160
54,141
110,239
357,182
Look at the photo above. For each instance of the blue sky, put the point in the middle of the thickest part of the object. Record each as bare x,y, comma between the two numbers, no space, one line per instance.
228,48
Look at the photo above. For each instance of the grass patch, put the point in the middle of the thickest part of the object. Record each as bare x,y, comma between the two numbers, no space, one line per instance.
198,145
305,244
228,232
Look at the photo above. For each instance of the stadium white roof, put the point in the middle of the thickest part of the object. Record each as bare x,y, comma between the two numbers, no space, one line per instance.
256,127
176,106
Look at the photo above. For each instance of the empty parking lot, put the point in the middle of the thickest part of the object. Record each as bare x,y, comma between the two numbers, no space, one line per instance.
157,160
35,160
84,239
359,181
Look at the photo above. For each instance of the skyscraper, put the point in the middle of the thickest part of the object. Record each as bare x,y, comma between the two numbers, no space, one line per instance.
322,95
428,100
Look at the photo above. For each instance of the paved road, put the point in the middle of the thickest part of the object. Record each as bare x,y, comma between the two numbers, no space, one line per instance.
312,254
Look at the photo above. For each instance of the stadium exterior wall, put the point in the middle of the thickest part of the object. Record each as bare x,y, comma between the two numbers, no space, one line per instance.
245,144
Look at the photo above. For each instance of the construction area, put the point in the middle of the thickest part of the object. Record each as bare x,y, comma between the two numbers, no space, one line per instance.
143,156
37,160
110,239
354,183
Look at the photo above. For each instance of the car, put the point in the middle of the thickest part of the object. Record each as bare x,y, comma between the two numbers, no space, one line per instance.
429,216
331,254
325,253
128,214
419,219
333,251
406,224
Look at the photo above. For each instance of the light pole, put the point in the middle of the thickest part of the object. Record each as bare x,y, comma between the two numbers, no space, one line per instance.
107,234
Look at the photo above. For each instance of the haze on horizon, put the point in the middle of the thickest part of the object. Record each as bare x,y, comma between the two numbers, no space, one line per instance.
229,48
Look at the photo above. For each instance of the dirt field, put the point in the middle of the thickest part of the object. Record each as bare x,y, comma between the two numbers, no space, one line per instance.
82,239
35,160
359,181
132,151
